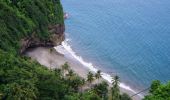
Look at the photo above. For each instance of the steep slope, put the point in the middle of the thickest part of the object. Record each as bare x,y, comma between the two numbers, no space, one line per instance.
25,23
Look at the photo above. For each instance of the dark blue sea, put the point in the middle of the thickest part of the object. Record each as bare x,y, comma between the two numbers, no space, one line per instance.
129,38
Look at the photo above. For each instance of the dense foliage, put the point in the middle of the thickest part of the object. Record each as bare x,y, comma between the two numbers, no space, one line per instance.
22,18
159,91
24,79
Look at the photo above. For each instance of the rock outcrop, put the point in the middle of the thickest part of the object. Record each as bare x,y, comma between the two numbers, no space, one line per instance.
55,39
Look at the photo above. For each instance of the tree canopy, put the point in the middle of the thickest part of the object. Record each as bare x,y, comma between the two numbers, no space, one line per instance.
22,78
158,91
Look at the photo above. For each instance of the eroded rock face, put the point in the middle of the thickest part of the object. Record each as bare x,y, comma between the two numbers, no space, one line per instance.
55,39
57,34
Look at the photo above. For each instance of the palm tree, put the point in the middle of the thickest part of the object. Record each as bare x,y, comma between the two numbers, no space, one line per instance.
115,88
101,89
90,77
98,75
75,82
65,68
115,81
70,74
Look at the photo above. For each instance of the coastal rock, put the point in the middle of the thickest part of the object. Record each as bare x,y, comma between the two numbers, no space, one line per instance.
57,36
66,15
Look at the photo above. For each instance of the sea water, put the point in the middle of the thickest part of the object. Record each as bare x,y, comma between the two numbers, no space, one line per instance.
128,38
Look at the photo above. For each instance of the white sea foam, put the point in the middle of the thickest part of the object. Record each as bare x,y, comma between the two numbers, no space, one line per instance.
66,49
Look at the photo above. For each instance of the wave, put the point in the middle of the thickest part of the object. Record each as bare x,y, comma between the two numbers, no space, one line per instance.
66,49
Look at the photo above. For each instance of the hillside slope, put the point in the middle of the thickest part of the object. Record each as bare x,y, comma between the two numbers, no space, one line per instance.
25,23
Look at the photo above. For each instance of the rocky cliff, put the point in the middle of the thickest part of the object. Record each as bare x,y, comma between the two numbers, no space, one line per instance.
56,37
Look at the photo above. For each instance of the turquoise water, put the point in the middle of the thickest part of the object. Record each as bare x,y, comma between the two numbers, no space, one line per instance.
130,38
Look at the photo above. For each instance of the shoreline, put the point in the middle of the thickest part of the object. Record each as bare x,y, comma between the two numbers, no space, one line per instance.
55,58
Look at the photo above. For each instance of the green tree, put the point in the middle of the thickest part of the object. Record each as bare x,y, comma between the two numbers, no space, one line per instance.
155,85
101,90
158,91
70,74
115,88
90,77
98,75
58,72
20,92
90,95
125,96
75,82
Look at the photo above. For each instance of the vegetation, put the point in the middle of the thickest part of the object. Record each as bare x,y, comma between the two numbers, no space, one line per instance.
90,77
24,79
159,91
98,75
22,18
115,89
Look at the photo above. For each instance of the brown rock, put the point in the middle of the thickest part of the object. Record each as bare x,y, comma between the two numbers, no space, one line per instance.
55,39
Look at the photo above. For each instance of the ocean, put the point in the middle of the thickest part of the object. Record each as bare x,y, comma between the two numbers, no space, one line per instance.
128,38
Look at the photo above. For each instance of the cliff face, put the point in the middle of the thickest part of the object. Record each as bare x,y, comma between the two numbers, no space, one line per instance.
57,34
56,37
